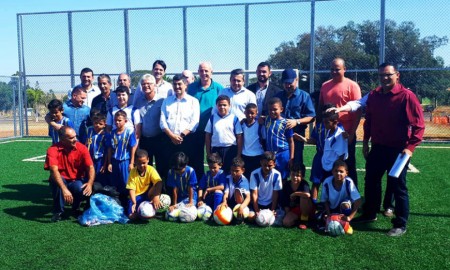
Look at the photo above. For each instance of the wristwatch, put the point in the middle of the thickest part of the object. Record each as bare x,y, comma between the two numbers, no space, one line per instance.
298,122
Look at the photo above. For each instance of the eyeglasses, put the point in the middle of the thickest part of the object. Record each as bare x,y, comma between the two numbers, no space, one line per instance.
386,75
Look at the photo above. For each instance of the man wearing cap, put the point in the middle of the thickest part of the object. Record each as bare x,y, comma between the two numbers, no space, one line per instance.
298,109
263,90
338,91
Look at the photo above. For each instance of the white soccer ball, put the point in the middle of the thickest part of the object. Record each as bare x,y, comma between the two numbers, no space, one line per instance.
165,202
188,214
204,212
236,211
146,210
173,215
335,228
223,215
265,218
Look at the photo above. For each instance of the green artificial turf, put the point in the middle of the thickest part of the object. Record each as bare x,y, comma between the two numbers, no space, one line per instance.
29,241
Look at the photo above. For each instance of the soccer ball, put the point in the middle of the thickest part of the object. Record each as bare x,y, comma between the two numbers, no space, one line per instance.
204,212
146,210
265,218
165,202
336,226
236,211
223,215
188,214
173,215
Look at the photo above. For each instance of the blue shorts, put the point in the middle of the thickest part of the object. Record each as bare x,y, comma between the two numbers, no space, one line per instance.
316,169
282,163
119,176
213,199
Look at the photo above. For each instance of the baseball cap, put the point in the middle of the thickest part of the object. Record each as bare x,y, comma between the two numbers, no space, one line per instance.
288,75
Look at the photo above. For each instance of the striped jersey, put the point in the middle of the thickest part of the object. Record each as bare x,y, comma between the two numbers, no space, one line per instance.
53,133
182,182
95,143
276,134
121,144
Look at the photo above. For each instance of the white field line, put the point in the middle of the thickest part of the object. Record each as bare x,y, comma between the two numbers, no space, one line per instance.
35,159
25,141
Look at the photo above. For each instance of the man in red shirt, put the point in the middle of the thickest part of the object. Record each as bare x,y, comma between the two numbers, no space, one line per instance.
338,91
71,172
394,124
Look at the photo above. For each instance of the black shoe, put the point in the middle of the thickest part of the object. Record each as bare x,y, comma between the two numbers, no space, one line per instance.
56,217
364,219
76,213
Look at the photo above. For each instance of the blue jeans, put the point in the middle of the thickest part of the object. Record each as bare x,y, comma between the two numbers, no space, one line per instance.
380,160
58,198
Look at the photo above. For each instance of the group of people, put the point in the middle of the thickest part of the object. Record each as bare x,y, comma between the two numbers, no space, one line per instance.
253,136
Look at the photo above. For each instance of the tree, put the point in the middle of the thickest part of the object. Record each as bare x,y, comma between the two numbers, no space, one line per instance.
6,96
359,44
35,97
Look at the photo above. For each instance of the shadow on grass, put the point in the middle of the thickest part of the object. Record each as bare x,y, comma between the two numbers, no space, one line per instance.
429,215
37,213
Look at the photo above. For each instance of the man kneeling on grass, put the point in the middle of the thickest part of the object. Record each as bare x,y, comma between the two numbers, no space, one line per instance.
71,172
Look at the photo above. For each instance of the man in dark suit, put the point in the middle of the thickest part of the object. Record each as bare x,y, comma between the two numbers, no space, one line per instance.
262,88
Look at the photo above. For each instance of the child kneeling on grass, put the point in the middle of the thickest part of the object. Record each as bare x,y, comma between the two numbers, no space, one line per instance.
210,189
144,184
183,182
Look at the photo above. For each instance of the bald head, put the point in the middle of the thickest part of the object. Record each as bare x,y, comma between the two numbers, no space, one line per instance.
124,80
188,75
338,69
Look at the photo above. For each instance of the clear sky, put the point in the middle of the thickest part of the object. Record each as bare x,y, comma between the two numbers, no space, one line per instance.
211,32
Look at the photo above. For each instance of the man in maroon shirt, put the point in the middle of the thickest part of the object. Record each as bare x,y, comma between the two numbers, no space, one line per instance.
71,172
394,124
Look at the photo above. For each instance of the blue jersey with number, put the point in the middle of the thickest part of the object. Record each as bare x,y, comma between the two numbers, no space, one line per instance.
121,144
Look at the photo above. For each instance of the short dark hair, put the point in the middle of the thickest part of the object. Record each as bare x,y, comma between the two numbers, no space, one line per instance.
86,70
340,163
77,89
251,106
55,104
264,64
298,168
331,116
223,97
213,159
123,89
268,155
141,153
161,63
388,64
238,162
180,77
179,161
238,71
103,76
98,117
275,100
121,113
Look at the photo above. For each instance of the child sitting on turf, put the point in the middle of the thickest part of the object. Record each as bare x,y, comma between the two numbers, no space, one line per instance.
236,187
223,133
252,148
56,111
334,143
133,116
144,184
296,198
265,184
210,189
182,181
339,193
94,139
278,138
122,145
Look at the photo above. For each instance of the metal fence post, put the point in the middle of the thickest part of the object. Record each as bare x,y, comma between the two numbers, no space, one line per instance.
72,68
185,44
311,48
127,41
246,42
20,52
382,31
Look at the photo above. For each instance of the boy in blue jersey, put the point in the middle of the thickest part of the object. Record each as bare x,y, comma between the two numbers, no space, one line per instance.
265,184
183,182
223,133
210,189
252,148
237,189
133,115
94,139
331,138
121,144
340,193
56,111
278,138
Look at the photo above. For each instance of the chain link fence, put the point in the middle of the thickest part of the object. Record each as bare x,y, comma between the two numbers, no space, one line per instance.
55,46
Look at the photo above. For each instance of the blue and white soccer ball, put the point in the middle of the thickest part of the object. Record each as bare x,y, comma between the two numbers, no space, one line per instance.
265,218
204,212
165,202
173,215
335,228
188,214
146,210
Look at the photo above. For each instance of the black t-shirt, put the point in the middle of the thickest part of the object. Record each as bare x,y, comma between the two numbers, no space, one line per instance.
285,200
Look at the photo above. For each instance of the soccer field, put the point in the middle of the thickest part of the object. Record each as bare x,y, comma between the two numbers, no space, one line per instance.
29,240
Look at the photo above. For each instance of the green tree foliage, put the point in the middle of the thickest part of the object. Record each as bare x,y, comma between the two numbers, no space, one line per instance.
6,94
359,44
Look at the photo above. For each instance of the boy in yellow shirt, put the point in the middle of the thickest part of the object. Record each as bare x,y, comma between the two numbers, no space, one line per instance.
144,184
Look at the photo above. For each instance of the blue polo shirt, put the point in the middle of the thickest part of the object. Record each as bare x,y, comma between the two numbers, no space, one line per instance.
297,106
76,114
206,98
